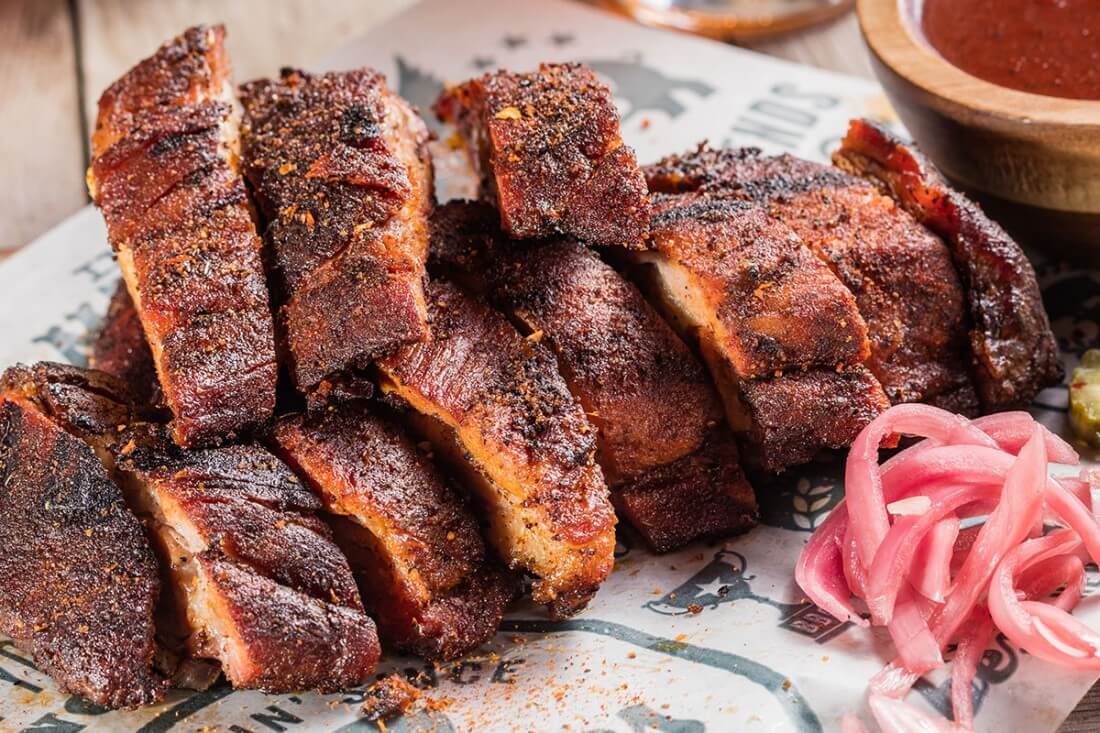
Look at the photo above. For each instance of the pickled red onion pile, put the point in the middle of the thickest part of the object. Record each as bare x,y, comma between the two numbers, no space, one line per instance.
951,540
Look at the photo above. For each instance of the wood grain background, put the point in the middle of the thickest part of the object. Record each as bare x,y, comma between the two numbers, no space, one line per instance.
56,56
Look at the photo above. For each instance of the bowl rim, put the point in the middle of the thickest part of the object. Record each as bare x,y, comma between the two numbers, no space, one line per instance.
891,36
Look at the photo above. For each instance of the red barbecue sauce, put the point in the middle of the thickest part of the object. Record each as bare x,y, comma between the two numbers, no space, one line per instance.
1049,47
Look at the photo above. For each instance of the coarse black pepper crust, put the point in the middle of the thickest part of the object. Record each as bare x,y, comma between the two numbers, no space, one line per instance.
78,580
700,495
340,168
548,150
164,174
1013,351
503,415
253,578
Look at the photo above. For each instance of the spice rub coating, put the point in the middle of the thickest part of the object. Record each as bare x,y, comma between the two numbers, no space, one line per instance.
640,385
493,402
762,307
902,276
164,174
776,306
414,544
703,494
256,582
548,150
341,172
1013,351
78,580
793,417
637,381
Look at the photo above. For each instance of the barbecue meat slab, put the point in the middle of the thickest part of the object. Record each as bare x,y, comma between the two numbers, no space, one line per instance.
78,580
902,276
413,542
340,168
1014,353
639,384
495,406
702,494
256,582
119,348
768,314
164,174
547,148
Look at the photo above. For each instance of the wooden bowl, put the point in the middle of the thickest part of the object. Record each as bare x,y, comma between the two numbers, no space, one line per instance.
1032,160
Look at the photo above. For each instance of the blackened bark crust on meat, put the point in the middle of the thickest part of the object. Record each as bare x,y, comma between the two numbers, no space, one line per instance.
164,176
901,275
644,391
254,579
768,314
78,581
1013,349
515,425
703,494
547,148
340,167
276,601
422,567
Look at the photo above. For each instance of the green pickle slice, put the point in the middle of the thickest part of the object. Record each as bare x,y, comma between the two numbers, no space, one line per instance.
1084,398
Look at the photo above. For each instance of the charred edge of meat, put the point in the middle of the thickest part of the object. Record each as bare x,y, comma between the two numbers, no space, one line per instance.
78,581
413,543
340,168
388,698
640,385
494,405
775,435
549,152
775,306
703,494
901,274
1014,351
255,581
164,176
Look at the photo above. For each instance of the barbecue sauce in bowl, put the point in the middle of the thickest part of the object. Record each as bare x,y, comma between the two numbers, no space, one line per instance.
1049,47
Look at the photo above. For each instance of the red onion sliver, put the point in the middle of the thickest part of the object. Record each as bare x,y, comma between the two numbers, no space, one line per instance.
893,680
930,573
1047,576
854,572
896,716
1012,616
1076,515
1008,526
820,571
917,648
972,644
898,549
1079,487
896,542
1010,430
863,477
900,546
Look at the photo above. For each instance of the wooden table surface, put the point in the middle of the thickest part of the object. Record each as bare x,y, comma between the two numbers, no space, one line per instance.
56,56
